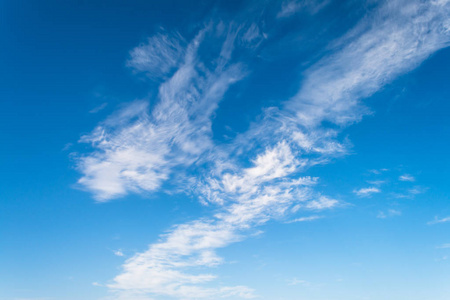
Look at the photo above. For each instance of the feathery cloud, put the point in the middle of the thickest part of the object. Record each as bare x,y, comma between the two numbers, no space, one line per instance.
252,197
443,246
389,213
305,219
406,177
160,55
366,192
396,39
136,150
438,220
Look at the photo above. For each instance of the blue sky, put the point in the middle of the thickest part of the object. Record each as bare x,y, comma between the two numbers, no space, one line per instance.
279,150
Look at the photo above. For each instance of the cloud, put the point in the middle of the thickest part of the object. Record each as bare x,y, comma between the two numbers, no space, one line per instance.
322,203
406,177
98,108
366,192
159,55
290,8
251,197
378,172
305,219
443,246
395,40
376,182
258,176
118,253
389,213
135,150
438,221
295,281
411,193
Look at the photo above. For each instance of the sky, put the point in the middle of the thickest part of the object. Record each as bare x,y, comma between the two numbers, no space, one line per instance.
273,150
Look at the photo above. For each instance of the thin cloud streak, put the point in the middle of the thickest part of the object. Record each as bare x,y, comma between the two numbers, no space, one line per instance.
438,220
406,177
366,192
305,219
397,39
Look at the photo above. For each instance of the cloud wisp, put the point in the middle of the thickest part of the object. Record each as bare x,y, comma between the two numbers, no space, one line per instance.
439,220
135,150
367,192
406,177
389,213
305,219
394,40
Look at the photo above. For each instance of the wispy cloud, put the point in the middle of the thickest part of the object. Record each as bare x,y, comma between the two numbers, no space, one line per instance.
411,192
389,213
439,220
396,39
443,246
250,198
296,281
305,219
378,171
376,182
406,177
290,8
98,108
137,149
159,55
366,192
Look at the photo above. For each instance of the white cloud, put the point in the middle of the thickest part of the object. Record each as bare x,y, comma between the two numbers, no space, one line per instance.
443,246
378,172
376,182
406,177
290,8
118,253
161,54
322,203
366,192
305,219
135,150
437,220
398,37
253,36
251,196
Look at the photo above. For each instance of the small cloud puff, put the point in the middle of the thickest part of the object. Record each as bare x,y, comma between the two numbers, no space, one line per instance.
118,253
